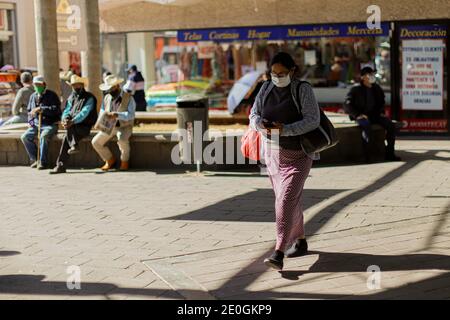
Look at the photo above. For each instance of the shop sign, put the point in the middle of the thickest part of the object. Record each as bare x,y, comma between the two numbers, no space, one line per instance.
423,32
327,31
423,74
71,30
430,125
282,32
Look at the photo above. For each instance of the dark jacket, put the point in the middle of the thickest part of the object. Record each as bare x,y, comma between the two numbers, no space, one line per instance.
82,109
356,102
50,104
136,86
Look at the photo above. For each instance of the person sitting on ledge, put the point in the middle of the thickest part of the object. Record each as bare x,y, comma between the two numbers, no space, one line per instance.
44,110
116,119
78,118
365,104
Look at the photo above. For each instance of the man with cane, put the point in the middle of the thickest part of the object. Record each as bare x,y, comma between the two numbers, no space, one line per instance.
44,110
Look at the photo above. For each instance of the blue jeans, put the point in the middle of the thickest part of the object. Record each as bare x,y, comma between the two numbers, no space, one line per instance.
387,124
28,138
16,120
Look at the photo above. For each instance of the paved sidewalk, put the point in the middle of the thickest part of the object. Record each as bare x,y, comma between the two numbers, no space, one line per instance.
147,235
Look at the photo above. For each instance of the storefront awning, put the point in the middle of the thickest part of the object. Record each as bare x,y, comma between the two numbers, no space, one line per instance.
283,32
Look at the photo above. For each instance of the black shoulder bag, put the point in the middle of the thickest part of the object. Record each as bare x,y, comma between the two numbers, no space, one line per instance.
320,139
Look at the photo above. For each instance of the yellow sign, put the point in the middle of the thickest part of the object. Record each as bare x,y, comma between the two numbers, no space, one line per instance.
63,7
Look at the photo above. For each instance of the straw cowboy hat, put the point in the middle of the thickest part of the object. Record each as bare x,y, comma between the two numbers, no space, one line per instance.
111,81
77,80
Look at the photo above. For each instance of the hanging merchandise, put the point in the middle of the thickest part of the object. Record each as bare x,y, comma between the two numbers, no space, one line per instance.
194,64
230,63
200,67
215,62
186,61
237,64
207,68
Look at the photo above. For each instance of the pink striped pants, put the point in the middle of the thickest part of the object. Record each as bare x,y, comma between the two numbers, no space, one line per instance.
288,171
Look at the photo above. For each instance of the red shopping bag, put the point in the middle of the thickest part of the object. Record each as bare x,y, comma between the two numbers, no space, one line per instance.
251,145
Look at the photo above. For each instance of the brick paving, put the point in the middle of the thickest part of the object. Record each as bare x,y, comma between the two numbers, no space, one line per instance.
166,235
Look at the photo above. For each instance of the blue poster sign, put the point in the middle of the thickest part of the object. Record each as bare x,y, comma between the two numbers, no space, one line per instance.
282,32
423,32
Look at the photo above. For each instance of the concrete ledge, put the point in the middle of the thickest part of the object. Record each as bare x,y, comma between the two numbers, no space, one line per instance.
153,150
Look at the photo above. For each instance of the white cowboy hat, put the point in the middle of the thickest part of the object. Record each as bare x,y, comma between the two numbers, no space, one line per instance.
77,80
111,81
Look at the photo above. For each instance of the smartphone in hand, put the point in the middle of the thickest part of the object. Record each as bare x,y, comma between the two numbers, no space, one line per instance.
268,125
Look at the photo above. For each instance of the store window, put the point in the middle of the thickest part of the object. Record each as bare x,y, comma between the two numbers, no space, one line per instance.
216,59
8,54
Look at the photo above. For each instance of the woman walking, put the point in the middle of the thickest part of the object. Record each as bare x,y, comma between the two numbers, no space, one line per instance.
285,109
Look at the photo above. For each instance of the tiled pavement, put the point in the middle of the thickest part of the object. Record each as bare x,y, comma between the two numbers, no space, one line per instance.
165,235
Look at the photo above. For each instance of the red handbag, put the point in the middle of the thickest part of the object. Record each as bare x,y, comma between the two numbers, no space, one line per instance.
251,145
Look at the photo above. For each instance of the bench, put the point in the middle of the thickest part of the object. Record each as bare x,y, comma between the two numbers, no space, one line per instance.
153,150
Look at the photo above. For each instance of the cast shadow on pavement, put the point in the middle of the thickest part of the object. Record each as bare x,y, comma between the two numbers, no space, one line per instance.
35,285
255,206
412,161
359,262
9,253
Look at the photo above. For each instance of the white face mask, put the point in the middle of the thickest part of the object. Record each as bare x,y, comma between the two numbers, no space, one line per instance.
281,82
372,79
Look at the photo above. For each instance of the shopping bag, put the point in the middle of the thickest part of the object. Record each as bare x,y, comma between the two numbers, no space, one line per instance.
251,145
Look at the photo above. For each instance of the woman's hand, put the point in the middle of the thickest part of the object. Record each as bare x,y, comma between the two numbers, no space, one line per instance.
278,126
272,126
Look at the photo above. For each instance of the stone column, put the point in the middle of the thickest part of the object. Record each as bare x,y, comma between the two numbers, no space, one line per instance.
47,43
92,57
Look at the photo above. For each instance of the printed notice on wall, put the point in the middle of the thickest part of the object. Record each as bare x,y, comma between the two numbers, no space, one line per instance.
423,64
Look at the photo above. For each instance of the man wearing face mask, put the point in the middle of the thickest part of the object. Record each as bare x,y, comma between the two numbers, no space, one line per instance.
78,118
365,104
118,108
44,103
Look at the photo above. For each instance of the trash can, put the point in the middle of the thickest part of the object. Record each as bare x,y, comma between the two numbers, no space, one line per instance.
193,123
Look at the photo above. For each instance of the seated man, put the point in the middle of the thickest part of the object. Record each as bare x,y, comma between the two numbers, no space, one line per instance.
365,104
44,105
78,118
20,106
116,119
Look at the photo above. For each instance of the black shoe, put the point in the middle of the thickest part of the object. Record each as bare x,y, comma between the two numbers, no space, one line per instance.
275,261
34,165
393,158
298,249
58,170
